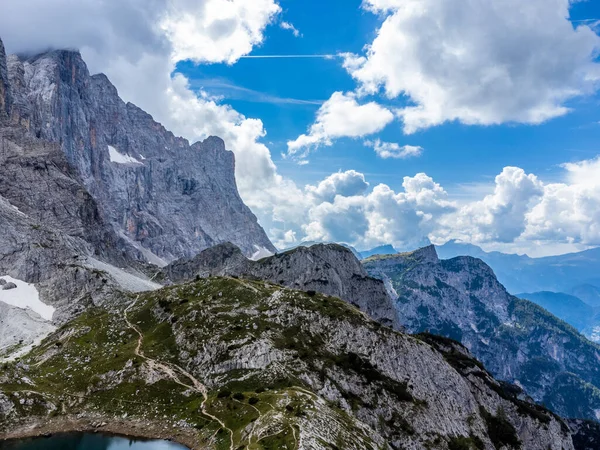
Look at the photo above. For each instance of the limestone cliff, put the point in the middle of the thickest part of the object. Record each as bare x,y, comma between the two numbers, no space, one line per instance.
165,195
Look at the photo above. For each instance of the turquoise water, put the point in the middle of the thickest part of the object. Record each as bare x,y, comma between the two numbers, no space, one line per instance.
77,441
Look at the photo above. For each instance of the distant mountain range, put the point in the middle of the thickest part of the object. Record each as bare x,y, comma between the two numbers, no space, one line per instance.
574,273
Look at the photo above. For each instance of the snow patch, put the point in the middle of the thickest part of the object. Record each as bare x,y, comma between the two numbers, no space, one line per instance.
260,253
120,158
25,296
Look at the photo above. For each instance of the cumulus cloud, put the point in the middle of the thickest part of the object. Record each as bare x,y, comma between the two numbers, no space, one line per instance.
570,211
381,216
216,30
521,214
346,184
502,216
341,116
480,62
387,150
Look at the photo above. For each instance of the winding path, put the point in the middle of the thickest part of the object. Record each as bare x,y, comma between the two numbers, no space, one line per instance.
171,371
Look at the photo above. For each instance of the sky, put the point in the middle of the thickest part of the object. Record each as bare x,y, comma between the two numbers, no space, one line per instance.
368,122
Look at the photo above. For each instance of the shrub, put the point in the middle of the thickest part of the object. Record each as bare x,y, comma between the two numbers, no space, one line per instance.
239,396
224,394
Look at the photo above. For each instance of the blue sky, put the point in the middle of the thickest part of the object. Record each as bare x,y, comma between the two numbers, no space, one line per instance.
481,116
455,155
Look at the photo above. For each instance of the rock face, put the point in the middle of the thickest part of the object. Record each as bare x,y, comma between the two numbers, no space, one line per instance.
5,97
330,269
279,369
517,340
53,234
167,197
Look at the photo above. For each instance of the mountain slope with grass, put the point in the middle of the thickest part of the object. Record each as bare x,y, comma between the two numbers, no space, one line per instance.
230,363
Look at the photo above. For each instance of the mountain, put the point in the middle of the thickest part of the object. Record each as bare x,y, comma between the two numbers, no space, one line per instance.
381,250
566,307
231,363
588,293
517,340
167,197
330,269
519,273
94,194
311,243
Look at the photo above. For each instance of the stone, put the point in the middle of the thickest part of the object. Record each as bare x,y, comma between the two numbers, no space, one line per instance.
8,286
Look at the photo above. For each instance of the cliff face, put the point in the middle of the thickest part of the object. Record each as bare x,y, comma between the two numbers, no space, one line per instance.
168,197
517,340
5,97
272,368
330,269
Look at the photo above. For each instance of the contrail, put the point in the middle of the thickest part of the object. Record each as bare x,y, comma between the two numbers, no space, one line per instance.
290,56
584,20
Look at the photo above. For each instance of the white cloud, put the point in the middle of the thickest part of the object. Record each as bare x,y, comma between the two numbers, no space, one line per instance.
570,211
480,62
393,150
403,219
288,26
520,214
341,116
216,30
501,216
346,184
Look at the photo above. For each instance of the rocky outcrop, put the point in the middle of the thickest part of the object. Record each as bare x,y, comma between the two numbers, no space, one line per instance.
330,269
5,96
517,340
277,365
168,197
586,434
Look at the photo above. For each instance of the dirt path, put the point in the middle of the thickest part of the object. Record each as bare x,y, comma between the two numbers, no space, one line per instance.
171,371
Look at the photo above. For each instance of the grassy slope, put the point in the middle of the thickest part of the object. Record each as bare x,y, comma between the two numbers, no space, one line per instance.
90,365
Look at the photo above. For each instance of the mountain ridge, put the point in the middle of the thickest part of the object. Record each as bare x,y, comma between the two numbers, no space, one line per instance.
517,340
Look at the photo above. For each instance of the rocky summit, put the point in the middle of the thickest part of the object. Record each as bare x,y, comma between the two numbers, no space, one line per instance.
94,195
330,269
517,340
169,198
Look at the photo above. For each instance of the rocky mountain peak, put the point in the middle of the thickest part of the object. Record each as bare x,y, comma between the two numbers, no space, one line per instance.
166,197
518,341
425,255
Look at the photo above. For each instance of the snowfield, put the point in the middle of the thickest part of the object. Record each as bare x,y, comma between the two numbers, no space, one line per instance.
25,296
120,158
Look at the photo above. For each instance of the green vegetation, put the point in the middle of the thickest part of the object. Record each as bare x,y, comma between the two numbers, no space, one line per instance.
500,430
466,443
